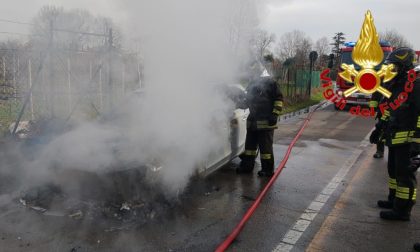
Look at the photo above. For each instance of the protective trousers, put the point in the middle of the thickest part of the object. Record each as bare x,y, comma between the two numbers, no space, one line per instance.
380,147
262,140
402,179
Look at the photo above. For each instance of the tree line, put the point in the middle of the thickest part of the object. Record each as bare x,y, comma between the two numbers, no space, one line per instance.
292,49
78,30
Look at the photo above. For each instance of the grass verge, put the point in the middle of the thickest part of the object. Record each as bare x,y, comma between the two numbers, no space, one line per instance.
291,106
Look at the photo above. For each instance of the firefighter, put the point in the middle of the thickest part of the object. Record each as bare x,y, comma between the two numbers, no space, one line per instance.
374,103
401,130
265,102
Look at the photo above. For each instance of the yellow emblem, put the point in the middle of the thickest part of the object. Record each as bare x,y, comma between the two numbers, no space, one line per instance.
368,54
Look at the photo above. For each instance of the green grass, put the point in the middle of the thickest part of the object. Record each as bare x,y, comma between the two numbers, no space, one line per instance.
8,112
5,118
316,98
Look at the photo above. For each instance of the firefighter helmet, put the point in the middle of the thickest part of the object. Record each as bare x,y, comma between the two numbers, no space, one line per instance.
402,57
257,69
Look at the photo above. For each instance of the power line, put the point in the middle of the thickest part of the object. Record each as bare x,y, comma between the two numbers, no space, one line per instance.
20,34
15,22
83,33
59,30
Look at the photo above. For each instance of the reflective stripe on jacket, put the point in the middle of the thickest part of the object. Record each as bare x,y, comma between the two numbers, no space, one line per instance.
403,123
264,100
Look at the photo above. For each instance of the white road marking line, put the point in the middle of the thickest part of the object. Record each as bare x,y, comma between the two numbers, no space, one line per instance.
301,225
310,216
322,198
315,206
284,247
293,235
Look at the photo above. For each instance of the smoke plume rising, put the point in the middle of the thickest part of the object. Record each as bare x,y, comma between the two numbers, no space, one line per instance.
188,48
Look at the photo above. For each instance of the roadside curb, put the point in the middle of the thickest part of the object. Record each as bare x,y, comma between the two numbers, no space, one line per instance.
306,110
293,235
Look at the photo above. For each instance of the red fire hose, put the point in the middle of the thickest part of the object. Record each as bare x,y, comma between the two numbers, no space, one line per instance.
223,246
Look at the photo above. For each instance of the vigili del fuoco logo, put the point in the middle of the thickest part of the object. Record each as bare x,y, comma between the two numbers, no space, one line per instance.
368,54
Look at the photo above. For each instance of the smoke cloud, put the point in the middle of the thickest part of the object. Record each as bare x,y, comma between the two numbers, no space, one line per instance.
188,48
186,52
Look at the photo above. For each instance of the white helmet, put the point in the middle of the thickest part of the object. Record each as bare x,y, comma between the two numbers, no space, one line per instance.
258,69
265,73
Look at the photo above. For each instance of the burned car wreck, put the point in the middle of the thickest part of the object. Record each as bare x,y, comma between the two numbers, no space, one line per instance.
125,188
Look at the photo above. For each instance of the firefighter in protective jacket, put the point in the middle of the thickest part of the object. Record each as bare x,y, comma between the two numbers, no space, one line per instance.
374,103
401,128
265,102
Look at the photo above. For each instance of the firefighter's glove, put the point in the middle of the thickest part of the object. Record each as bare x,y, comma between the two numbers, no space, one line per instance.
374,137
272,120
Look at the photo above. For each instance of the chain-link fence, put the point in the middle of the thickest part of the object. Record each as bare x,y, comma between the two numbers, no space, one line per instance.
296,83
62,83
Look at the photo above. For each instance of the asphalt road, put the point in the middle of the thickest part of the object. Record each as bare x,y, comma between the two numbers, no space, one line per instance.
289,218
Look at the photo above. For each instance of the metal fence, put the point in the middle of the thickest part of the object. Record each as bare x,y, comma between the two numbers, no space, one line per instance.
295,83
59,83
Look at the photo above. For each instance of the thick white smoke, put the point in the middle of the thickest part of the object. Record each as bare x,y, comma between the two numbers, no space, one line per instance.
189,47
186,51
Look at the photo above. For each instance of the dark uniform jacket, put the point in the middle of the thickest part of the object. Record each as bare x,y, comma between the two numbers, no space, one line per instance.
378,98
264,100
402,125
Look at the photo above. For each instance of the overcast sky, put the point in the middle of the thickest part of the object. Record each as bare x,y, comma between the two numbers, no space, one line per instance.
317,18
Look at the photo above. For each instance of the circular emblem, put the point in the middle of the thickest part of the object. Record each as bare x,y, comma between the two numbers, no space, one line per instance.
367,81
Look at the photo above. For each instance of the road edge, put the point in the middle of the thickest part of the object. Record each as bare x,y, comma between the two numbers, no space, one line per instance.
293,235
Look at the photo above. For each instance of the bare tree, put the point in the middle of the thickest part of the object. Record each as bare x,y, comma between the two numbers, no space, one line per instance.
261,42
286,47
71,29
302,52
323,48
295,45
394,38
242,24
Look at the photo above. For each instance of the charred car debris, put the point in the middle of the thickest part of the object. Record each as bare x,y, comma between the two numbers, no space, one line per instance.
124,196
120,200
130,193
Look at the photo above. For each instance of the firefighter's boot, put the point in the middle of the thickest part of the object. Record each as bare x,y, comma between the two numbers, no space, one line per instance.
387,204
401,211
267,174
267,165
380,148
378,154
393,215
246,166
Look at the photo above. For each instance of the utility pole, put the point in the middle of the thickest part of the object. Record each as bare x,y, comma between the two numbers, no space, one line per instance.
139,74
31,102
4,75
4,70
18,74
69,89
110,70
139,71
51,91
123,80
101,92
312,58
14,75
